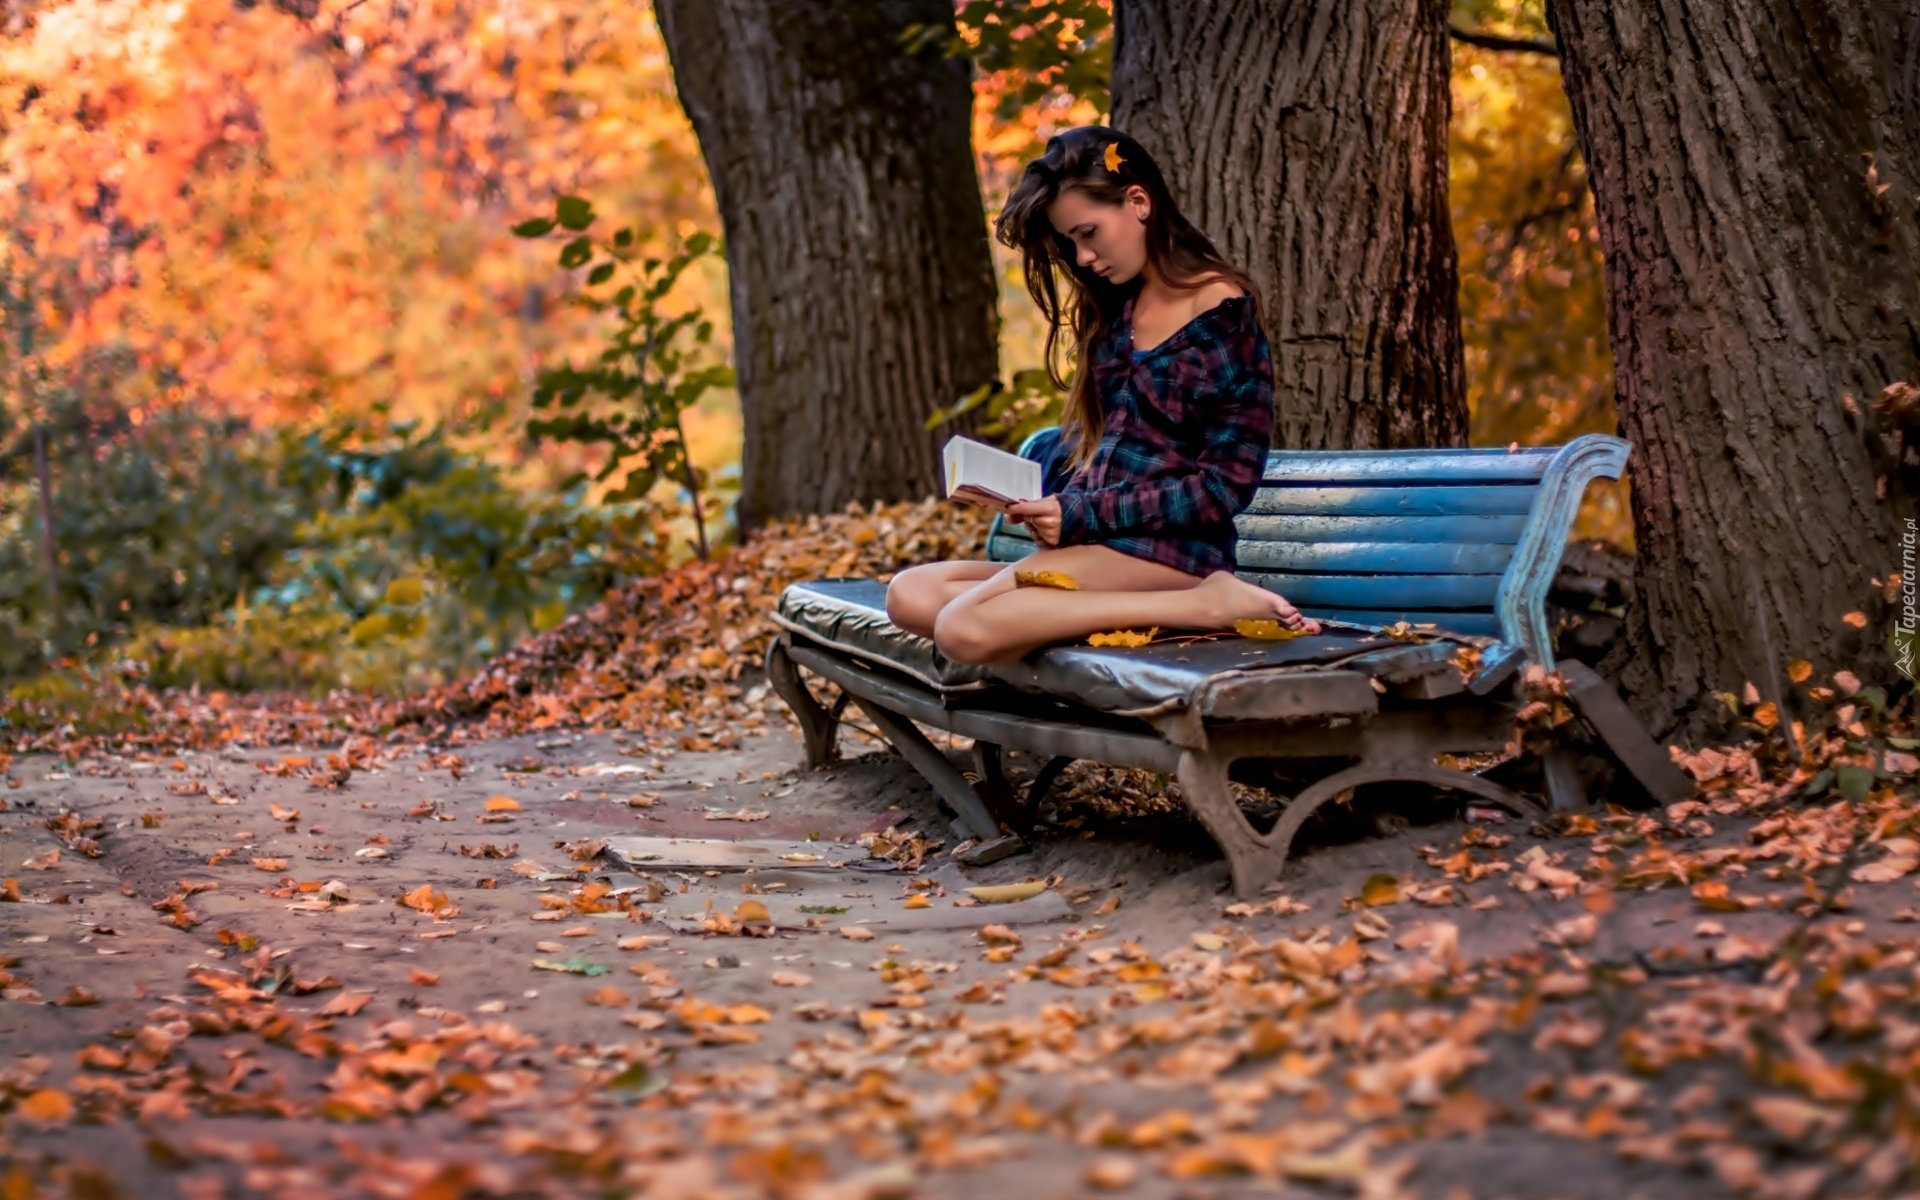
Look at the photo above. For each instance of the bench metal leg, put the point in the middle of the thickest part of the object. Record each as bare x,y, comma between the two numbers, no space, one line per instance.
1037,790
1566,793
819,726
997,791
933,765
1256,859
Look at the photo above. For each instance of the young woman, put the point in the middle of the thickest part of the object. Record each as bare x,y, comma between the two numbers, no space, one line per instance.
1166,431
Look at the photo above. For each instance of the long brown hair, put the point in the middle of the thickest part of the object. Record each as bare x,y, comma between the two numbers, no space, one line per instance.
1076,159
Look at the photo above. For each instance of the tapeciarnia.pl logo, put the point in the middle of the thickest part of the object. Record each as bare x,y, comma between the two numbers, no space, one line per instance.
1906,630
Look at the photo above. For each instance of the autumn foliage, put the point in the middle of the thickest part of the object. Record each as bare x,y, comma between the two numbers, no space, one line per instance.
274,212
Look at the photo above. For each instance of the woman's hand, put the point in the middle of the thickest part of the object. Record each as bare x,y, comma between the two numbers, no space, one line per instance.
1042,516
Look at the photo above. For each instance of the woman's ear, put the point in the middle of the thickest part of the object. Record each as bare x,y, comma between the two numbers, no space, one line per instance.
1138,202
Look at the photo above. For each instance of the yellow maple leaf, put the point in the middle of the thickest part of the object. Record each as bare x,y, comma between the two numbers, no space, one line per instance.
1048,579
1265,629
1112,157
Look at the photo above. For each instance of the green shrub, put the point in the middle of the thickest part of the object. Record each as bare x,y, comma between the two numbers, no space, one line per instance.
373,558
169,522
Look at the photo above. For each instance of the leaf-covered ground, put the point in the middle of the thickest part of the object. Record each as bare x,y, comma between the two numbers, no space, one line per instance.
257,948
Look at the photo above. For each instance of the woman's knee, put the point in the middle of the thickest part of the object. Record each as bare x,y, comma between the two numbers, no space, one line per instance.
963,636
914,597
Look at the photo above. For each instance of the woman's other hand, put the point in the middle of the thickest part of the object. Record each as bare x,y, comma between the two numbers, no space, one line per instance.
1042,516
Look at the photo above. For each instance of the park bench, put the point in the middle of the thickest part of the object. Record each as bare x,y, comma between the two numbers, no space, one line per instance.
1413,560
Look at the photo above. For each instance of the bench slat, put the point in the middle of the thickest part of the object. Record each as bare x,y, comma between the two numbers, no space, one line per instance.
1435,501
1382,591
1491,529
1399,468
1375,558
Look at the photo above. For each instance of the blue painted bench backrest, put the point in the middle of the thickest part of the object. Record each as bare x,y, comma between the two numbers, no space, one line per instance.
1466,539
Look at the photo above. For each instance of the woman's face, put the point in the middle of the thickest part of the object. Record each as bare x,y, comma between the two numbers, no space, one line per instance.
1108,239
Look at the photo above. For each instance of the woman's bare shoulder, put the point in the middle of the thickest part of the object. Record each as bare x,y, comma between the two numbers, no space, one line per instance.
1215,291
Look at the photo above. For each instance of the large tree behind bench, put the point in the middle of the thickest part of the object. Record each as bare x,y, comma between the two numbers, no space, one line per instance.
1756,173
863,290
1309,139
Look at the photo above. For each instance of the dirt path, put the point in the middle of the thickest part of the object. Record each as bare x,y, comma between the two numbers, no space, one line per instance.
317,1029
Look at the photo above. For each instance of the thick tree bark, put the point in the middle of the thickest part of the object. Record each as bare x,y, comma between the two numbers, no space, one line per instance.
862,286
1308,138
1755,174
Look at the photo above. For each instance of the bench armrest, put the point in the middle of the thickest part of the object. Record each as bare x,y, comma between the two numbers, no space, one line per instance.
1522,599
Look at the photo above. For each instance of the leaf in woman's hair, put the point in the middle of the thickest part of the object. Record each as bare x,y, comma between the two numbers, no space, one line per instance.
1112,157
1122,637
1266,630
1047,579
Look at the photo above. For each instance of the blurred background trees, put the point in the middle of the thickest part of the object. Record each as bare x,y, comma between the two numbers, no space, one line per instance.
243,240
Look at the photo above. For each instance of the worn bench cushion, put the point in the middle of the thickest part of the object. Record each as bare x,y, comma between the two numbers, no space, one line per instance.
850,615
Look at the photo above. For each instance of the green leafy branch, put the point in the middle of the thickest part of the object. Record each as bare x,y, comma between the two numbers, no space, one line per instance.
649,372
1013,410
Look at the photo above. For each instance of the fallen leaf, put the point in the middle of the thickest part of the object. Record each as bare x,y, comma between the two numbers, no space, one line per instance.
421,978
346,1004
1122,637
269,864
1006,893
501,804
1714,896
1111,1173
1046,579
791,979
1890,868
1265,629
43,862
571,966
1791,1117
47,1106
1380,889
424,899
856,933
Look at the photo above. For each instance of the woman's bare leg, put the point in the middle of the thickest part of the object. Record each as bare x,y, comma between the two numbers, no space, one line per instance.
916,595
998,621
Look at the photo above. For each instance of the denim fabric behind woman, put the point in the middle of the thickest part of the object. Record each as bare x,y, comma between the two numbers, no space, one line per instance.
1047,450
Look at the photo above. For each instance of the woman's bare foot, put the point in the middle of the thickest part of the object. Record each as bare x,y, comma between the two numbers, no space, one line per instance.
1222,598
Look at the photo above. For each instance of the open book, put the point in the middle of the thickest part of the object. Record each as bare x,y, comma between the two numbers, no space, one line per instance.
981,474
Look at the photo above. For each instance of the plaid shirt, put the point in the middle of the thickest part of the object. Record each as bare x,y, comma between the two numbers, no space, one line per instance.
1184,444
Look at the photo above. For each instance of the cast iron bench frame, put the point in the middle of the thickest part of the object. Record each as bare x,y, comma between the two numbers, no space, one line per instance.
1395,709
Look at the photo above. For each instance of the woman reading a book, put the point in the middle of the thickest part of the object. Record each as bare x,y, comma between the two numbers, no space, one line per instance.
1167,425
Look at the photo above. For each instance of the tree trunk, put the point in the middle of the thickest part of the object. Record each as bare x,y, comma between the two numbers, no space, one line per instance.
862,287
1756,176
49,553
1308,138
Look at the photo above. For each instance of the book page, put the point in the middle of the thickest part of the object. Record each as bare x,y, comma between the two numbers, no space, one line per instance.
977,473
